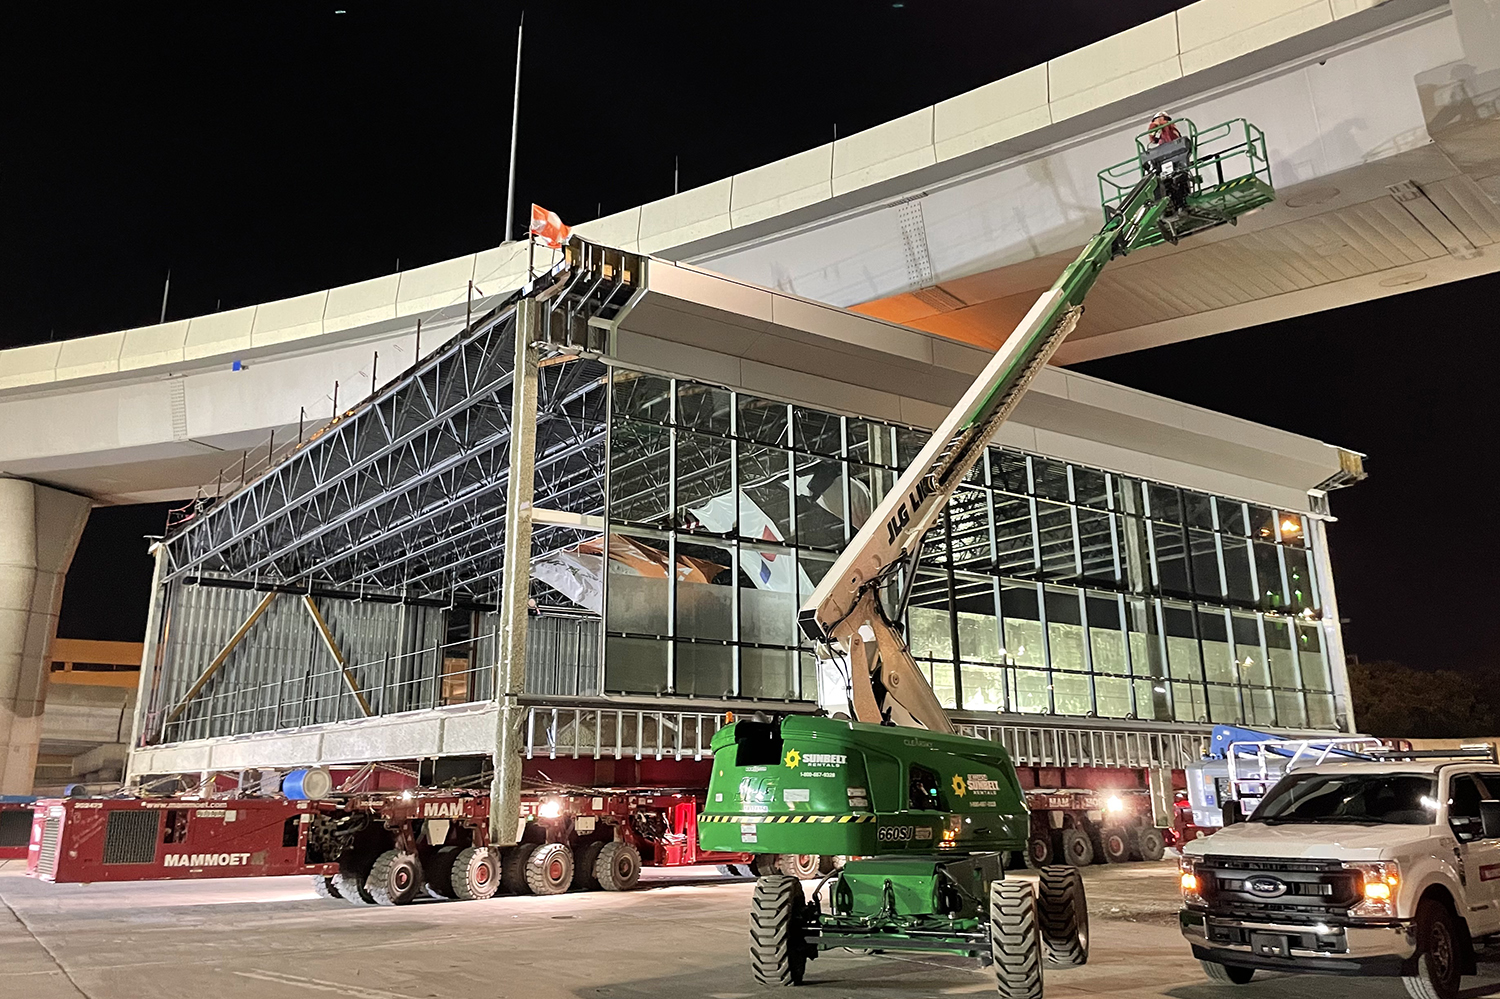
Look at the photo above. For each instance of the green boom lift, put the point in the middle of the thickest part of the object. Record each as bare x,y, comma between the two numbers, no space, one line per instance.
928,814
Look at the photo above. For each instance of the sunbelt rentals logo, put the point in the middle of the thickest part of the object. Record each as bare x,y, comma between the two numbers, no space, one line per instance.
794,759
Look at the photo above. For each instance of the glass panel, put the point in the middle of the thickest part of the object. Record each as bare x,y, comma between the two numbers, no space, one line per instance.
640,472
871,443
704,483
703,407
1290,711
1171,560
637,584
1182,643
1014,551
1310,658
1071,694
1320,713
1197,510
929,632
1279,648
1231,516
820,502
984,687
908,443
635,665
1008,471
940,676
768,595
818,432
765,494
811,568
1262,522
1268,574
1224,705
1112,696
1299,577
1106,636
1023,625
1090,487
809,677
868,485
1054,522
1188,702
1259,709
1029,691
1218,651
978,624
969,527
1097,545
704,670
705,591
1135,563
1151,700
1237,571
646,397
1249,659
1050,479
1166,504
762,420
1291,529
1204,552
768,673
1065,630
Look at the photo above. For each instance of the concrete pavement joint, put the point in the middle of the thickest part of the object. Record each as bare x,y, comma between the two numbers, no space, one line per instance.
21,921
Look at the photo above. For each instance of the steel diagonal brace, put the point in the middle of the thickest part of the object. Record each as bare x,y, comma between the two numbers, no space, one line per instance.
338,655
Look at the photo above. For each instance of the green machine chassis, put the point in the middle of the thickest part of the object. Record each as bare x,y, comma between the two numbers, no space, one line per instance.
925,815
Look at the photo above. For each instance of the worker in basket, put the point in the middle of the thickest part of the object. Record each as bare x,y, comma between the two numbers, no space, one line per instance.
1169,154
1162,129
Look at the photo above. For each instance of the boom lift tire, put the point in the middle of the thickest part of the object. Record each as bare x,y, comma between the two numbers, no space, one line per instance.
549,869
324,887
1075,848
474,875
437,871
1015,940
513,868
1114,843
583,867
395,878
618,867
1150,844
778,910
1217,972
1063,912
799,865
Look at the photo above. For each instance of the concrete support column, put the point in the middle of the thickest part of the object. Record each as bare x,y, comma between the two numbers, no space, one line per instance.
39,531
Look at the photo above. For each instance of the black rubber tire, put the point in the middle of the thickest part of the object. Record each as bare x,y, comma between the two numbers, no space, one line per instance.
583,867
437,871
1226,974
549,869
475,874
1063,912
1075,848
1114,844
1015,940
324,887
350,886
778,951
1150,844
827,864
763,865
799,865
1440,953
395,878
513,868
618,867
1041,851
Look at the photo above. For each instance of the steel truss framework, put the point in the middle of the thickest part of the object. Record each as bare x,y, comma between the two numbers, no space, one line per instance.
404,495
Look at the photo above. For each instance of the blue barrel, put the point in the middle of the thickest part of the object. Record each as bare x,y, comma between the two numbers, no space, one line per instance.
307,784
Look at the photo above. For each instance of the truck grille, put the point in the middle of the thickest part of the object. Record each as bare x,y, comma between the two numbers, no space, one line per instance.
1289,890
46,862
130,837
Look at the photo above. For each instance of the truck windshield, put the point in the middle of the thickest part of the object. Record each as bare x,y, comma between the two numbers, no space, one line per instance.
1400,799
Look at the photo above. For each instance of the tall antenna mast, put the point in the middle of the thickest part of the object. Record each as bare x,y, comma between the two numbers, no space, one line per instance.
515,124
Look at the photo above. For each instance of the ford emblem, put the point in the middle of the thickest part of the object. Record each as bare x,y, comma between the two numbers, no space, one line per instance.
1265,886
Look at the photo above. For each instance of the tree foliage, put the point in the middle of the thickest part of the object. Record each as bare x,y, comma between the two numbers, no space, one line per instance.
1396,701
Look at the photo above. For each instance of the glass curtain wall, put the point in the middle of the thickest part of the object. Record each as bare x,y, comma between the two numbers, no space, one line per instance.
1048,587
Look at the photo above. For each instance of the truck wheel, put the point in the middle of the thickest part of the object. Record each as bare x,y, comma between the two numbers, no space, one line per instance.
1064,915
513,868
618,867
1115,844
437,871
1217,972
1151,844
549,869
1076,848
324,887
798,865
583,867
1439,953
1015,944
395,878
778,952
1041,851
474,875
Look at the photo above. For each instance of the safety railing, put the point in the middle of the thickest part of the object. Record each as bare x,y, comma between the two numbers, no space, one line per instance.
1227,153
603,732
1057,746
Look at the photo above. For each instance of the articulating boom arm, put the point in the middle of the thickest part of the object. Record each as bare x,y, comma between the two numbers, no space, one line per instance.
844,615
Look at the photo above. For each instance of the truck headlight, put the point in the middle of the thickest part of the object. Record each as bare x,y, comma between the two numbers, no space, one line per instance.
1379,882
1187,875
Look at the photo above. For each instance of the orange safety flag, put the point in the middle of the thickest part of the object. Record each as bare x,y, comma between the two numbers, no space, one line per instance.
547,226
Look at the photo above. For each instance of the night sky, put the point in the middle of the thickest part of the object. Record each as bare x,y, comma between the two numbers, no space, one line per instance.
266,150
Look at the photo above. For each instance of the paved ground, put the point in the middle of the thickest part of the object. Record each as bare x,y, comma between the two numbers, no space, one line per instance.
681,937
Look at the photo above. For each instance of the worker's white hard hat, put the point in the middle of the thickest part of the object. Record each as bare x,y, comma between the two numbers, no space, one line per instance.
1161,114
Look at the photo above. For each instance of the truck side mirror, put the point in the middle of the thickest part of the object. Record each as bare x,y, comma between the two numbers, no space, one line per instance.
1489,819
1234,813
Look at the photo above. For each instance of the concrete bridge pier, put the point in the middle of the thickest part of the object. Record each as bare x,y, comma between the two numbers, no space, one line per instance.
39,531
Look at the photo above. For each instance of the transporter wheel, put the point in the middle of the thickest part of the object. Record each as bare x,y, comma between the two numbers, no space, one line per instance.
1015,940
1439,953
1075,847
1217,972
395,879
549,869
513,868
1150,844
1041,851
778,912
1114,843
827,864
474,874
350,886
1064,915
618,867
583,867
437,871
324,887
799,865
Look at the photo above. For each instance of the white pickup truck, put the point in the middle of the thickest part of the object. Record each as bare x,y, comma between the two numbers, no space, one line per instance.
1388,867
